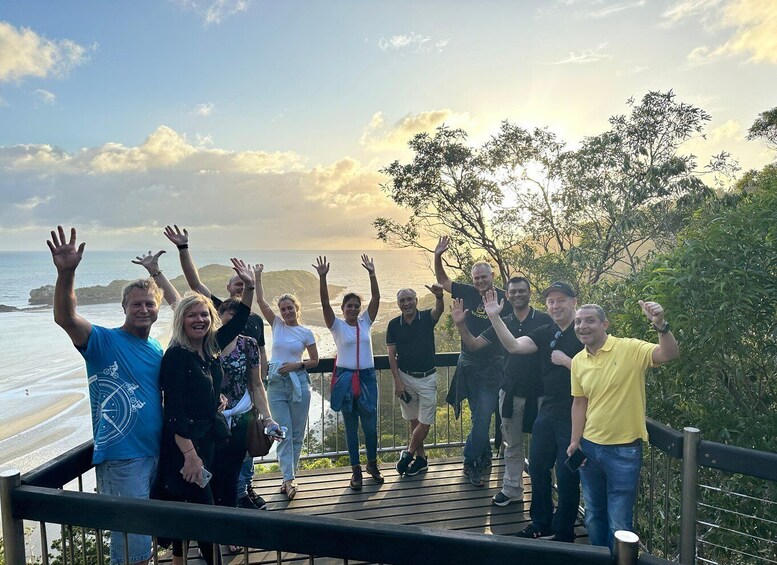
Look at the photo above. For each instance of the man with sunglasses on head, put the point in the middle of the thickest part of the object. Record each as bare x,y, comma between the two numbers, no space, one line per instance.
557,344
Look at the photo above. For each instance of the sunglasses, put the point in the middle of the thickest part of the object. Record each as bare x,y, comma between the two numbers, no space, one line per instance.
553,343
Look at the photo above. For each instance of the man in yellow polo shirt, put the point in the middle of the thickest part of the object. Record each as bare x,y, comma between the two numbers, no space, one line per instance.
608,414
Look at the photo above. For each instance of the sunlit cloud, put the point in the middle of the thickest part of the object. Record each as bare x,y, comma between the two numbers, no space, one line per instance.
124,193
379,137
412,42
45,97
586,56
215,11
750,27
205,109
24,53
730,130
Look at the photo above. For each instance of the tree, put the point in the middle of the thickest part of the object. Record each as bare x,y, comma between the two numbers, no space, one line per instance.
532,206
765,128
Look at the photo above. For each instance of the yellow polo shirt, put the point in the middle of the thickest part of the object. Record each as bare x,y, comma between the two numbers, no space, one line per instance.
613,380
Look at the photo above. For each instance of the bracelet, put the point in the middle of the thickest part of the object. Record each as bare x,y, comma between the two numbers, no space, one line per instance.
156,274
662,330
188,450
183,246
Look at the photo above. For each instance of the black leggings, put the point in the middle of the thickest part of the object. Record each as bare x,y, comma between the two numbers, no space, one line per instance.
228,461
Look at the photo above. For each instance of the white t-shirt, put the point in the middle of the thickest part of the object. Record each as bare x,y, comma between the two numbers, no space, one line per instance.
345,339
289,342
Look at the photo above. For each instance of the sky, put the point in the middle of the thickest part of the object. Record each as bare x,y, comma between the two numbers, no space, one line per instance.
264,125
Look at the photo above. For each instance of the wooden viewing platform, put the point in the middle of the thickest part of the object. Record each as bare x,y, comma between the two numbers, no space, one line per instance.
440,498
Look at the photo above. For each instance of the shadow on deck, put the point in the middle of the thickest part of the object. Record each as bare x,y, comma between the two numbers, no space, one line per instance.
440,498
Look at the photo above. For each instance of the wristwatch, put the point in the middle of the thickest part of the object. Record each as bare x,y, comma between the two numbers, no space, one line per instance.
663,329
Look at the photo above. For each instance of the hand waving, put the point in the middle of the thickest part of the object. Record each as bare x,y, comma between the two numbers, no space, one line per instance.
244,271
176,236
435,289
368,264
654,312
458,313
491,304
149,261
66,255
321,266
442,245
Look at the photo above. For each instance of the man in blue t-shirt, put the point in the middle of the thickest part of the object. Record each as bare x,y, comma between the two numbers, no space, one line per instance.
123,371
478,373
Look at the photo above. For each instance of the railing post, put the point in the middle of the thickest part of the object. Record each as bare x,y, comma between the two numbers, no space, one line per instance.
626,548
13,529
691,437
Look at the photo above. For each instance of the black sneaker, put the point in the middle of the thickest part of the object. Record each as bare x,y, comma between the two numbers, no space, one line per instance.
501,499
257,500
473,474
405,458
532,532
418,465
255,503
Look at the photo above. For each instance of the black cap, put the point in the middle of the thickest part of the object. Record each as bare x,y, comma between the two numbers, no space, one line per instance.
560,287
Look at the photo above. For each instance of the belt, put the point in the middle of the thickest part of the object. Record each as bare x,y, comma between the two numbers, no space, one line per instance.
420,375
634,443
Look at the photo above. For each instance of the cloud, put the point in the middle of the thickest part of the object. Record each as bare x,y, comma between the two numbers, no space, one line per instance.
586,56
378,137
214,11
240,199
749,28
611,9
413,43
728,131
46,97
205,109
24,53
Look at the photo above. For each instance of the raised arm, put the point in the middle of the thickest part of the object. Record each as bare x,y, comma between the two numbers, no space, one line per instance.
517,346
246,274
459,315
151,264
439,304
66,257
181,241
372,307
439,270
667,344
264,307
322,268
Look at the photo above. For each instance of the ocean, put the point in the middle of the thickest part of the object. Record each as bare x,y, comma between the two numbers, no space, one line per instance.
44,406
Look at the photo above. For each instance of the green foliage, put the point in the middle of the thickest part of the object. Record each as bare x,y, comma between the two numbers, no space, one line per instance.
82,546
764,128
533,207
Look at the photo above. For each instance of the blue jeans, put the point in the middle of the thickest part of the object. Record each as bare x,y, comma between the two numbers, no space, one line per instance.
245,476
483,403
610,477
132,478
549,441
293,415
369,421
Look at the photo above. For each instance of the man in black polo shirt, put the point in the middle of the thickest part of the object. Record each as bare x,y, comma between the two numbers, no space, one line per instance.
246,497
410,345
478,373
521,385
556,343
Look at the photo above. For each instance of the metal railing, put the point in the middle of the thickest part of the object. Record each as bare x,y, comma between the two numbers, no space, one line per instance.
685,498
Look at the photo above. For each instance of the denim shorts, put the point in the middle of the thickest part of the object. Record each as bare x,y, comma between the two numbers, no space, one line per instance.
132,478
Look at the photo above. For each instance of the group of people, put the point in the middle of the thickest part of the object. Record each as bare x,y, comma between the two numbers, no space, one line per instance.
165,422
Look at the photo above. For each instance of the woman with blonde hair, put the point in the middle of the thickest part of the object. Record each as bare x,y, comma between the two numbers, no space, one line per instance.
190,378
288,384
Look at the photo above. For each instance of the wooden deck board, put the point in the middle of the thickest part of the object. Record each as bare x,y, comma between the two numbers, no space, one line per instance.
441,498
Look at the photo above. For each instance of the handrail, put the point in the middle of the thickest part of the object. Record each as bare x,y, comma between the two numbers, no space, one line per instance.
313,535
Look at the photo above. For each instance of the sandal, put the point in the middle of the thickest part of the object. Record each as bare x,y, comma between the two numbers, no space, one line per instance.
235,549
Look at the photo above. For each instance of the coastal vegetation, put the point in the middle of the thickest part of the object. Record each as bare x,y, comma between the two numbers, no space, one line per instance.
630,215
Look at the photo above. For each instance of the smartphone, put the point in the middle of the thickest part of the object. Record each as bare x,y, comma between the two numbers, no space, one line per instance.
575,460
406,398
205,477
